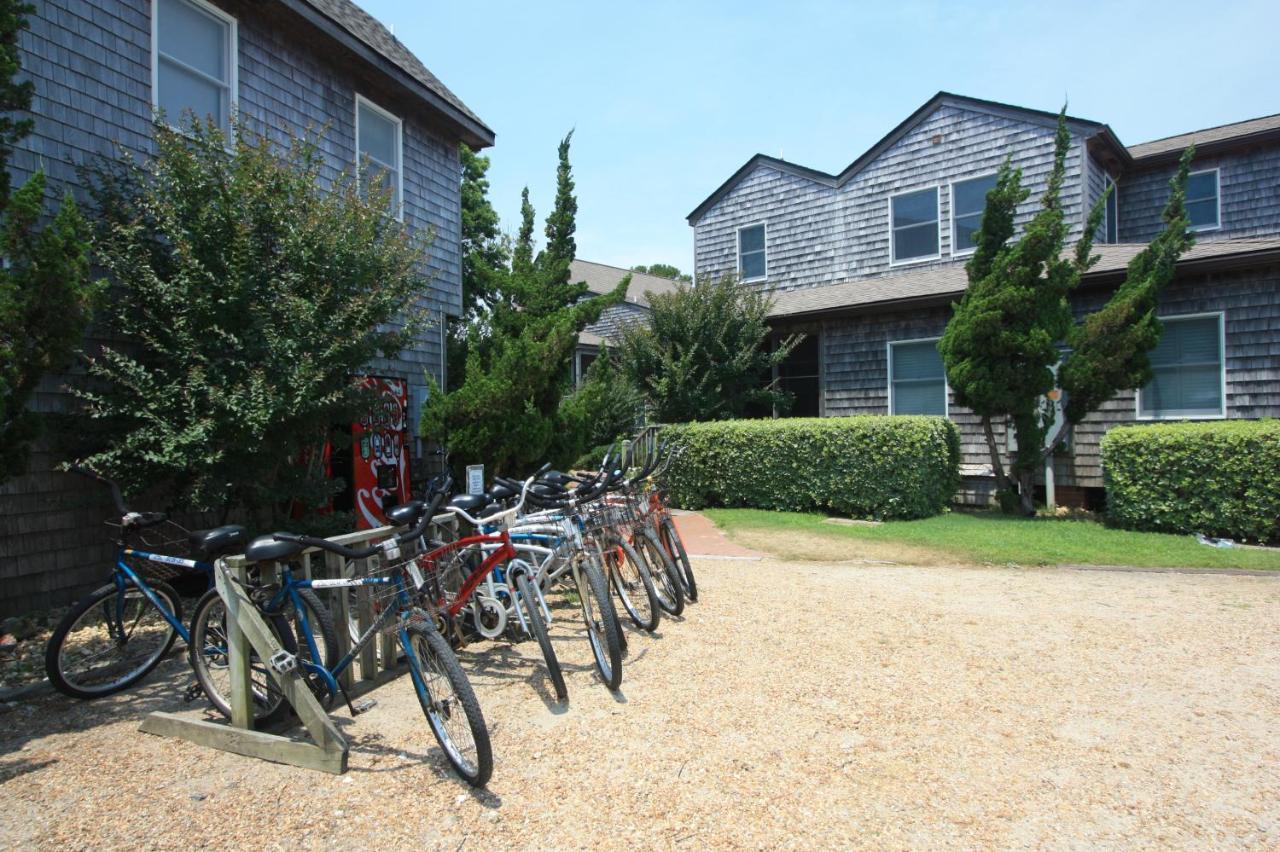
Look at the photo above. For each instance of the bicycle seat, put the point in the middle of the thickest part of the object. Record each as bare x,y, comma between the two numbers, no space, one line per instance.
219,541
406,514
470,503
264,548
502,492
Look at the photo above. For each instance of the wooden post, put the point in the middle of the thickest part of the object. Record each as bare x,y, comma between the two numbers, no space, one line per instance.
364,603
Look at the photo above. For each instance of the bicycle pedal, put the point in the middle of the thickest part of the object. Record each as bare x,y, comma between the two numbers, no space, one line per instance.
364,706
192,693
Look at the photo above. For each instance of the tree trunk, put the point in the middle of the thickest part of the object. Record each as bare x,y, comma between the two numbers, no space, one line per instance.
1027,491
997,466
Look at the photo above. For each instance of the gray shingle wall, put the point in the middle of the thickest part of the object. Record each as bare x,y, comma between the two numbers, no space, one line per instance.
802,230
817,235
90,61
614,318
855,355
1249,192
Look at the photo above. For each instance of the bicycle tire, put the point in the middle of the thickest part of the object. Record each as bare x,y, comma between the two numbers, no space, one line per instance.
538,627
633,586
432,661
680,556
604,634
56,659
209,661
666,580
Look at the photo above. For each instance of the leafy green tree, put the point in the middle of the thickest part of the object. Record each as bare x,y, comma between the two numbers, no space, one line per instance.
506,412
703,354
250,298
484,251
1006,334
46,292
663,270
605,406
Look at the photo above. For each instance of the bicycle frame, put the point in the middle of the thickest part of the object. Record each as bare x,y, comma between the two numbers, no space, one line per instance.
123,576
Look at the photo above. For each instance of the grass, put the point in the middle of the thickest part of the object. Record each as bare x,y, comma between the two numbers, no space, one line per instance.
981,537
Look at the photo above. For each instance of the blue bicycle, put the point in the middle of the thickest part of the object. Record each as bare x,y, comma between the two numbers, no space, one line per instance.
113,638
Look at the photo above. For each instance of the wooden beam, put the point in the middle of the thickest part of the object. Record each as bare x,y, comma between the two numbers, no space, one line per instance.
225,737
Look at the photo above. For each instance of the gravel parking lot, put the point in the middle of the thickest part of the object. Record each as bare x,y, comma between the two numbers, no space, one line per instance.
801,705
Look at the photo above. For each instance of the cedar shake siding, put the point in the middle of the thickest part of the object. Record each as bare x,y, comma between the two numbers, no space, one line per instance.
299,66
828,253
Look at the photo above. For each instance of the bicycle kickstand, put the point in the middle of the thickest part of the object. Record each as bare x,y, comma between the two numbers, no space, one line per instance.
356,709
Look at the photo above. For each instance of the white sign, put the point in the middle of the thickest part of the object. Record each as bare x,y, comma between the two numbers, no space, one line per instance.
475,479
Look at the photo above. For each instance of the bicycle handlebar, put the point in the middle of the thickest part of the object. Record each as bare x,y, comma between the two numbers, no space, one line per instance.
116,496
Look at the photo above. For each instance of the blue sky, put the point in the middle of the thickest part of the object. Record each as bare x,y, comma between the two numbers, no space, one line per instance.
667,100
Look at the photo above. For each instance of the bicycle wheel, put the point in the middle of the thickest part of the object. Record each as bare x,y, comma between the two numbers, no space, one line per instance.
533,613
633,585
110,640
449,704
603,631
666,580
674,545
211,663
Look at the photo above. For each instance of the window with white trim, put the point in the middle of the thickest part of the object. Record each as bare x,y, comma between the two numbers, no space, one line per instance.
1111,210
917,381
1187,370
968,201
194,63
378,148
913,218
751,255
1202,200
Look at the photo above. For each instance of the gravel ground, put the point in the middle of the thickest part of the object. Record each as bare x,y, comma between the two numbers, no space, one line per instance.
797,705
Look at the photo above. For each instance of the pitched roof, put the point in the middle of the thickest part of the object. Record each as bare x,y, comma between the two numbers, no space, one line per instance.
1081,125
601,278
341,18
1240,132
941,282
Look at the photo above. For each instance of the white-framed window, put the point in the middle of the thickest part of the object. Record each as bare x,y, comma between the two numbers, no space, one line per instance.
379,148
968,201
917,381
1203,204
752,264
913,225
1110,212
193,61
1189,370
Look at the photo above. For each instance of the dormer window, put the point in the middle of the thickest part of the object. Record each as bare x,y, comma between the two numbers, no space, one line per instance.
968,200
1203,207
913,218
751,255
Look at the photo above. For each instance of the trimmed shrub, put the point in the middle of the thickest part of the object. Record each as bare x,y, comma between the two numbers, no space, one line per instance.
1216,478
863,466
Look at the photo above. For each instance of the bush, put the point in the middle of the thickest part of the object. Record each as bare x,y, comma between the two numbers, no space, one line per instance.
864,466
1214,478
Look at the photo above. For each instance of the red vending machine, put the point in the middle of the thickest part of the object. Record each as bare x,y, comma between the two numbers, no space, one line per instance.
380,452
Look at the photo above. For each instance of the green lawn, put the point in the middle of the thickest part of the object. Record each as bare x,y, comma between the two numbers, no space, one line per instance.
981,537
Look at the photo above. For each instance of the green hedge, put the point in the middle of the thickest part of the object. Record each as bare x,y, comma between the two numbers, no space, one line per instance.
864,466
1220,478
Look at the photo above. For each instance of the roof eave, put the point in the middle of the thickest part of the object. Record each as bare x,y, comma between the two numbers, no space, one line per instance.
474,133
1215,146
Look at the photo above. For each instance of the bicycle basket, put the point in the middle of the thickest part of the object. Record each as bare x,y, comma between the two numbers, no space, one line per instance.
166,538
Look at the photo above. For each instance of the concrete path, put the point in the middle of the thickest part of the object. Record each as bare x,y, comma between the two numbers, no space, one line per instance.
704,539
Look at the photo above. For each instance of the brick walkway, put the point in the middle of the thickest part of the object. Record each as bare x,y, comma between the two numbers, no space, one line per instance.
703,538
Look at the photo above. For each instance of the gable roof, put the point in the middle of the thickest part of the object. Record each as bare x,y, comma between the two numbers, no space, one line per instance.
601,278
1211,138
364,35
944,283
1079,125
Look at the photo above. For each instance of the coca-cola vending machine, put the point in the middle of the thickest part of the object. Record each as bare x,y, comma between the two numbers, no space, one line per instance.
380,452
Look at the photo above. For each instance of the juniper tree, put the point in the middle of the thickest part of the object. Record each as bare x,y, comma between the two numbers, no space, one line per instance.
506,412
46,292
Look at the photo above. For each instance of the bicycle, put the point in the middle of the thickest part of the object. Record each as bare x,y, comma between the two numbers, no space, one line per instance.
119,633
445,695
